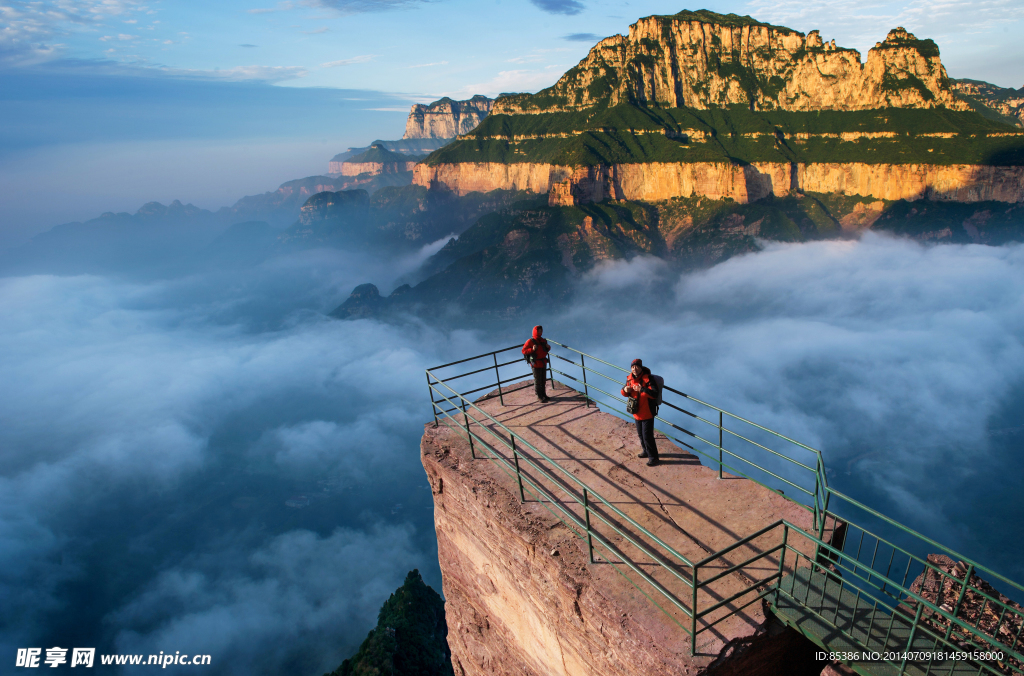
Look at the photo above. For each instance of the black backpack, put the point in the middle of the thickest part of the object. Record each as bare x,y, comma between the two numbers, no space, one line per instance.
659,386
534,341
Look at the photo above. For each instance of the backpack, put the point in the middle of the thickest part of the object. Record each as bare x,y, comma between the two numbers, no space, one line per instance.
659,386
533,342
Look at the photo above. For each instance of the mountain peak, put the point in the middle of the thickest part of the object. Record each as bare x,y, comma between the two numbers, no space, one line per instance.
702,59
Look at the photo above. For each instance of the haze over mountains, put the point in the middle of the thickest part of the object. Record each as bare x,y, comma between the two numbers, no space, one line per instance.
199,457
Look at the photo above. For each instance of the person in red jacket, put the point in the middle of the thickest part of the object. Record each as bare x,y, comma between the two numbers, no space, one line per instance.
640,386
536,352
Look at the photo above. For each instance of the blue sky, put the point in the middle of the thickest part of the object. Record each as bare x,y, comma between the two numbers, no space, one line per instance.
107,104
456,47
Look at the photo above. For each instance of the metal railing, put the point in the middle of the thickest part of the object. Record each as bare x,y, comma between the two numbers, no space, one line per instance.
839,551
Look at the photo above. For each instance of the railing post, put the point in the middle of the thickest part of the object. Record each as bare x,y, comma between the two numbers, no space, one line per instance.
497,376
586,392
519,477
590,538
960,599
433,404
693,615
551,372
472,449
782,561
824,513
910,641
719,444
817,488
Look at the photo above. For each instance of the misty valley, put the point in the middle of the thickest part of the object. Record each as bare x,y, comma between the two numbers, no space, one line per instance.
211,419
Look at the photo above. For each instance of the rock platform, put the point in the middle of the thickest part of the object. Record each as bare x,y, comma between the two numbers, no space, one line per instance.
522,595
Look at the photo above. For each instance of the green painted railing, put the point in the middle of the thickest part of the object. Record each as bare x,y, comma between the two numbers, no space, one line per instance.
849,563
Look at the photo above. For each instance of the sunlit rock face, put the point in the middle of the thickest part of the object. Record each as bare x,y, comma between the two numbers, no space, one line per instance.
1003,100
657,181
702,59
446,118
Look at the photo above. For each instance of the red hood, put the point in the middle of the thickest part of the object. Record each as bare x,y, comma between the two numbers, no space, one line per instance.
537,330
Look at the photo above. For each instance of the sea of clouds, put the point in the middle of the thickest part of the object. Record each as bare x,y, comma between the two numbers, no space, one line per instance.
151,432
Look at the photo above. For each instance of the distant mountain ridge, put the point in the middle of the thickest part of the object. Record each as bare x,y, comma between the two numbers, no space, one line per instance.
725,106
1004,101
446,118
703,59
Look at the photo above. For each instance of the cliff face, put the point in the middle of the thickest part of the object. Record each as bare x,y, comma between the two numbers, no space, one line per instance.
376,168
1003,100
658,181
702,59
446,118
729,107
377,160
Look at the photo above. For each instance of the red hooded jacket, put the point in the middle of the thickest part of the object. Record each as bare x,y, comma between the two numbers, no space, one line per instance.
539,348
646,393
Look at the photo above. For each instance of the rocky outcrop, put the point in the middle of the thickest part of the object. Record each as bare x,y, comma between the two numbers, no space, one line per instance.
1003,100
378,160
522,597
376,168
446,118
742,183
703,59
411,148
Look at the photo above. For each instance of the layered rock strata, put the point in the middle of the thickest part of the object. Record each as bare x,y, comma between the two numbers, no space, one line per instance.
376,168
702,59
1003,100
377,160
658,181
446,118
522,596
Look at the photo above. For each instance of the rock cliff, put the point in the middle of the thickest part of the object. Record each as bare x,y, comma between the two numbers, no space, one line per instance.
1004,101
723,106
659,181
522,597
378,160
446,118
702,59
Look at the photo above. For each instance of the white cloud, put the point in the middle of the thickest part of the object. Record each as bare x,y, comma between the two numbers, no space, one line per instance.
890,356
240,73
297,585
30,28
280,7
348,62
121,399
861,24
428,65
509,81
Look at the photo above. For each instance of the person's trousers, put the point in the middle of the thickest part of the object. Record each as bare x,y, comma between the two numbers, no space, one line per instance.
645,430
539,379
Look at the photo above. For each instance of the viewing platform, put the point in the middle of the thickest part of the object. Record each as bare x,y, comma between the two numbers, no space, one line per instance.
564,553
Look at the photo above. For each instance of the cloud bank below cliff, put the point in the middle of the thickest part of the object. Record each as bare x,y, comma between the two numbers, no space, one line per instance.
898,360
154,435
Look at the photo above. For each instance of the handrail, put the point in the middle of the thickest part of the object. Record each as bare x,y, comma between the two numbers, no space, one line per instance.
570,476
826,553
819,470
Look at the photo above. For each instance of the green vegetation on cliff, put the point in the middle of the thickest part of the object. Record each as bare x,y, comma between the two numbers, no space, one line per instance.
529,254
377,152
633,134
730,20
410,638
